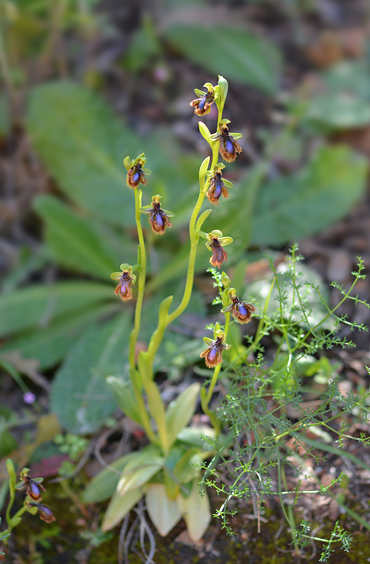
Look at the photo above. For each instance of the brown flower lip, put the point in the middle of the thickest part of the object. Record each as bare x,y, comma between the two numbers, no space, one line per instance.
45,512
219,254
213,354
229,148
158,219
135,175
241,311
123,288
217,189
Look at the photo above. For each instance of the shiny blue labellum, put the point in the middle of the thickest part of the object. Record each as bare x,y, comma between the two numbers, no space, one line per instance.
242,309
212,355
202,103
218,191
136,177
159,220
229,146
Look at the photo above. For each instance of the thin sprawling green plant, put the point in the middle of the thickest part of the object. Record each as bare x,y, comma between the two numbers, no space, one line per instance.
166,471
32,503
271,450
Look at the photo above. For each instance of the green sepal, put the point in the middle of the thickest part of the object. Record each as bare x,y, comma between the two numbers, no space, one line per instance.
116,275
146,209
236,135
204,131
202,234
208,341
199,93
170,214
127,163
146,170
215,233
203,172
226,241
201,219
227,183
225,280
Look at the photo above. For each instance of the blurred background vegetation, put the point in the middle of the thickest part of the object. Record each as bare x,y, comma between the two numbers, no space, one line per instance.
85,83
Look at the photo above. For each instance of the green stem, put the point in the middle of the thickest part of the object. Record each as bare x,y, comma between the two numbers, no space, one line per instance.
141,280
191,265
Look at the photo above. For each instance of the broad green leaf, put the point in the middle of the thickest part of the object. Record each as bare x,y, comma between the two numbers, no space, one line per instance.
195,509
104,484
163,511
180,411
37,306
119,506
50,344
125,397
338,111
236,53
80,395
73,239
290,208
349,76
82,142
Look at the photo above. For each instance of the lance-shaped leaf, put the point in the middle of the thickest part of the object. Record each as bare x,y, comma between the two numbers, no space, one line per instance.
181,410
203,172
119,506
163,511
39,304
75,241
195,509
157,411
205,132
140,469
125,397
201,219
104,484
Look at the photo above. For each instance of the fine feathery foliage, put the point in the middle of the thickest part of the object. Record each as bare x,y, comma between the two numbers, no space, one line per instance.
271,451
